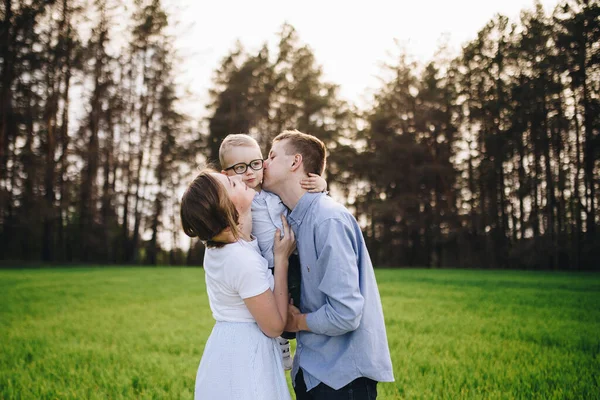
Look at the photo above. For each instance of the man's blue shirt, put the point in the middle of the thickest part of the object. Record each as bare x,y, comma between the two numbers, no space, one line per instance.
347,338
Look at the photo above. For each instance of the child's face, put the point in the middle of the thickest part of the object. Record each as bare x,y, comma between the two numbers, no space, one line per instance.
244,154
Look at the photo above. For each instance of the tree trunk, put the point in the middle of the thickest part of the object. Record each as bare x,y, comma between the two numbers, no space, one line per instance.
522,185
577,237
550,231
6,113
588,161
106,213
158,206
63,162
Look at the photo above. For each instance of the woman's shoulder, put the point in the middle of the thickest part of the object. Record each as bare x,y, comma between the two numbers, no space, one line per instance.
244,265
232,251
242,252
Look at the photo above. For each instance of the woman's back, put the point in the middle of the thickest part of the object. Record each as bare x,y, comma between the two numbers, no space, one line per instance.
235,272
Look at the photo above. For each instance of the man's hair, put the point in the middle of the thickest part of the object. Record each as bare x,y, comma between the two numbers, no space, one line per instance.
235,140
206,209
314,154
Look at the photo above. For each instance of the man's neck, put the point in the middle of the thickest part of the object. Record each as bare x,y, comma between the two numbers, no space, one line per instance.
291,193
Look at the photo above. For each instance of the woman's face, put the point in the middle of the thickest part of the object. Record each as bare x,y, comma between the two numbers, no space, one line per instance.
239,193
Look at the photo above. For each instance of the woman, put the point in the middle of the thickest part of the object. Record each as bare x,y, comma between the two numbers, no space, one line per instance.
241,359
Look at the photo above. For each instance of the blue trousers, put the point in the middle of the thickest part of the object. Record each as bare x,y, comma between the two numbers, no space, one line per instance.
358,389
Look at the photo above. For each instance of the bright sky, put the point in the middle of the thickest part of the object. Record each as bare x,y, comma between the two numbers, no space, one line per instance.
350,39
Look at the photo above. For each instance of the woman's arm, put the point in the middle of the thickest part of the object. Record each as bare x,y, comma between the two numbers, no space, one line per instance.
269,308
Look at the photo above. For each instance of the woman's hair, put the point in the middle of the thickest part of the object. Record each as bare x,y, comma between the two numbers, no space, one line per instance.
206,209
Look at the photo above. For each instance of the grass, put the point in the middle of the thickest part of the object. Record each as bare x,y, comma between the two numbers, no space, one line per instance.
120,333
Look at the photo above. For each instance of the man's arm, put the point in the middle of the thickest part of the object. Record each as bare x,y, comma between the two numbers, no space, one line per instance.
336,243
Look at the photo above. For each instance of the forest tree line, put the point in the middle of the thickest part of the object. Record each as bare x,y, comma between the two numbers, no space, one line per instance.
489,158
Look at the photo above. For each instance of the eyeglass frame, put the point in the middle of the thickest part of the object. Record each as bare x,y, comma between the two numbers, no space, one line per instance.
246,165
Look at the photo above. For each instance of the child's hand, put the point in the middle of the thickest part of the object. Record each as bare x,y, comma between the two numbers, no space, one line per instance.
283,247
314,183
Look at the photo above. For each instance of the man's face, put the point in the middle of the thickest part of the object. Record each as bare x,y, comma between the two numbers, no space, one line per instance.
277,166
245,155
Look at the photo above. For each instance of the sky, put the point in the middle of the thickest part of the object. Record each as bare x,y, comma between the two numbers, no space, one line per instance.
350,39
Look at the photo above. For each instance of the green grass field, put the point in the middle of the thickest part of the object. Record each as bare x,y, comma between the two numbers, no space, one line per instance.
116,333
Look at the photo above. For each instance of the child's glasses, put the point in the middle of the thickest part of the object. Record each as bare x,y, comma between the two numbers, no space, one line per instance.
240,168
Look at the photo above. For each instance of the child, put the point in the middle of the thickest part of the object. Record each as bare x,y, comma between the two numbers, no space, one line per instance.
240,154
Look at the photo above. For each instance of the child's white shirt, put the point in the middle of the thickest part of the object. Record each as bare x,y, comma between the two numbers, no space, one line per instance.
267,208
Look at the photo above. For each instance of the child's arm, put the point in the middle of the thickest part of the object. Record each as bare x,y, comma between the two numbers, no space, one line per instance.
314,183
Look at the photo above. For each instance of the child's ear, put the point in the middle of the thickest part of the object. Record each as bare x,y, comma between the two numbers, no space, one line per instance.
223,172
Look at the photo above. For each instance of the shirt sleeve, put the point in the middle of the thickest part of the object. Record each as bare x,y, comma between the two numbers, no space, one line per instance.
248,274
336,256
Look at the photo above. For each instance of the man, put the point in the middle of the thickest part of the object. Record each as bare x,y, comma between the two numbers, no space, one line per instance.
341,342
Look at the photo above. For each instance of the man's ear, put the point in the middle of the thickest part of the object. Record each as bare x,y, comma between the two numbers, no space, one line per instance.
297,162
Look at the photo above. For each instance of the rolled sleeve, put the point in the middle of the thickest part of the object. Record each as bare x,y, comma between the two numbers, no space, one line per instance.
344,303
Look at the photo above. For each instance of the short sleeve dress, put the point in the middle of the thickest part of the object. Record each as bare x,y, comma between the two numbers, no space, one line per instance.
239,360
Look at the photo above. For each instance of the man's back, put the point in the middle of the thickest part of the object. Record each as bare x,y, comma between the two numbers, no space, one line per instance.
347,338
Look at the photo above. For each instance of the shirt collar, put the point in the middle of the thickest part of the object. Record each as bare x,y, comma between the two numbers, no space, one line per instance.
260,198
259,195
304,204
268,198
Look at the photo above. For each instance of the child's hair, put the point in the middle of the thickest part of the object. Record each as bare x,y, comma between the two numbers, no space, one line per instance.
206,209
235,140
314,154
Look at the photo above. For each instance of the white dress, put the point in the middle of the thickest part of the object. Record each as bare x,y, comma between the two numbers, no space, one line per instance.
239,361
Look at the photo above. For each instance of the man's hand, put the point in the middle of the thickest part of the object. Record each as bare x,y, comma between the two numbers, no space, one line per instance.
296,321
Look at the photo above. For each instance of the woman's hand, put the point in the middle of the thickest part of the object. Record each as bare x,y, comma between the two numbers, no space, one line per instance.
283,247
314,183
